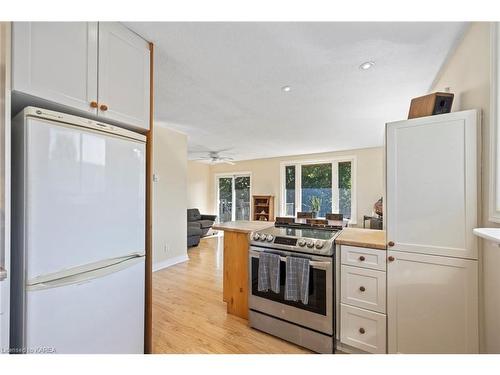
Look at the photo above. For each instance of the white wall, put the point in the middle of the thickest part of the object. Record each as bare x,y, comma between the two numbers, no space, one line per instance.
198,186
467,74
4,181
169,197
266,177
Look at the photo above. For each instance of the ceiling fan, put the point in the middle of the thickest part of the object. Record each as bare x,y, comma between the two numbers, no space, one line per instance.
215,157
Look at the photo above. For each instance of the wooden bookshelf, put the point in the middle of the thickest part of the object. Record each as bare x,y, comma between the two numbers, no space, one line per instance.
263,207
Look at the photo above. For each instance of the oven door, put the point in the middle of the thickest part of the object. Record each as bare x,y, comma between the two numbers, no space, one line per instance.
317,314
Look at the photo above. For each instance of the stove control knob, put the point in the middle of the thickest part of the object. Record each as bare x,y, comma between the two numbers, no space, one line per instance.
256,236
269,238
302,242
319,244
263,237
310,244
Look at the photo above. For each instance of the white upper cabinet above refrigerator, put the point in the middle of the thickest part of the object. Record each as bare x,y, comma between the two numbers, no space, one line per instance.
90,68
123,75
56,61
432,185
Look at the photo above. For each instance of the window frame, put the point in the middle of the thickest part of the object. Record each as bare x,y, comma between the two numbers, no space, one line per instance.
494,168
335,189
232,175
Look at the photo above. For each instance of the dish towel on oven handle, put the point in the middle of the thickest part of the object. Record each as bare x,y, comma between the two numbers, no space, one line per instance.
269,272
297,279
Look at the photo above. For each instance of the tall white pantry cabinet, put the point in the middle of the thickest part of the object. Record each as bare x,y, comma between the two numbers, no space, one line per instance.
432,206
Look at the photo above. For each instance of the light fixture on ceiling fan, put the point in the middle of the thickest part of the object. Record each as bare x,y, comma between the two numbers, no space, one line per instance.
215,158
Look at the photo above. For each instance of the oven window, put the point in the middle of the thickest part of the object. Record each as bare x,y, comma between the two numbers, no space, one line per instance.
317,289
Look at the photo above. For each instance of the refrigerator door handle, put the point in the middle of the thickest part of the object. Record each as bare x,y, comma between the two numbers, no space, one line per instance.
3,273
84,273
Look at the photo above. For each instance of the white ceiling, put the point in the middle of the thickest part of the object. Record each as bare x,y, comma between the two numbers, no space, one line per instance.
221,82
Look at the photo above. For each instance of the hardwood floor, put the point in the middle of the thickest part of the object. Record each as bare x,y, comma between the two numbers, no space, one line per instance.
189,315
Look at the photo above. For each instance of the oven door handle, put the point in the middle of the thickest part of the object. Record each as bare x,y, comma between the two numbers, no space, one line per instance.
312,263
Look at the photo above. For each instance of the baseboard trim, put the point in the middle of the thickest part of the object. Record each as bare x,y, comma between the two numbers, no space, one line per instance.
170,262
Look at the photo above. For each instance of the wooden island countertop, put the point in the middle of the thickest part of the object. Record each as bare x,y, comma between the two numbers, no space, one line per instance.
374,239
243,226
235,268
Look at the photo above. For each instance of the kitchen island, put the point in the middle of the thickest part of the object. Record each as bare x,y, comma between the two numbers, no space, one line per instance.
235,276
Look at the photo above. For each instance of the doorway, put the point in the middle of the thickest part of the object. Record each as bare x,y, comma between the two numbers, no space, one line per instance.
233,197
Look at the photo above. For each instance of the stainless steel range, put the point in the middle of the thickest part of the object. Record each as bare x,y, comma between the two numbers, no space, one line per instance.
309,325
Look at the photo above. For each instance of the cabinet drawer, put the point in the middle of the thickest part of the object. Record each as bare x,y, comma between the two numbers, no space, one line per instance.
363,287
363,257
362,329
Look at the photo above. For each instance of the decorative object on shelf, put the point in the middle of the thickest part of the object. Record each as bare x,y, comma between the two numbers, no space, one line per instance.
376,221
432,104
263,207
378,207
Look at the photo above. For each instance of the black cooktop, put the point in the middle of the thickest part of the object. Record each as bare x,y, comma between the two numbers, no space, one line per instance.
326,227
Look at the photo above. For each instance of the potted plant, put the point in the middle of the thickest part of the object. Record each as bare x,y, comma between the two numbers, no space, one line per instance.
315,205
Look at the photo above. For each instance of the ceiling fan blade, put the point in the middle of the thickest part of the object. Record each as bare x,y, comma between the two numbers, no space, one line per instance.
228,162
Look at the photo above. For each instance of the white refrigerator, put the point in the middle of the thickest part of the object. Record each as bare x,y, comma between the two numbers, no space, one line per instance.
78,235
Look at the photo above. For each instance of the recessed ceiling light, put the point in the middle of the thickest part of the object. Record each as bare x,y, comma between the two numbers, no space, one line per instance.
366,65
286,89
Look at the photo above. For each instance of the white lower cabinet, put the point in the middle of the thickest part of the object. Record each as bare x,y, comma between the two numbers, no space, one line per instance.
363,285
432,304
363,329
363,288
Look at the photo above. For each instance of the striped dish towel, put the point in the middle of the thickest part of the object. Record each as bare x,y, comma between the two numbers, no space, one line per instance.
297,279
269,272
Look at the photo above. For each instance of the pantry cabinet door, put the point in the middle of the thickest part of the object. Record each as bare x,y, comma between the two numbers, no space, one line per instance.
124,69
432,184
56,61
432,304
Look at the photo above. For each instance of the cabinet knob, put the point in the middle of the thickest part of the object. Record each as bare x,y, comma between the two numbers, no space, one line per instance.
391,243
362,331
362,288
103,107
362,258
391,259
93,104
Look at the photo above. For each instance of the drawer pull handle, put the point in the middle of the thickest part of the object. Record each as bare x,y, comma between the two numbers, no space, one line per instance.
103,107
391,259
362,331
362,258
93,104
362,288
391,243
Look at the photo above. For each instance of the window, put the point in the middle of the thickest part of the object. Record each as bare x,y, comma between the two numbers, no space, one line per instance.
290,190
233,197
319,186
494,179
316,188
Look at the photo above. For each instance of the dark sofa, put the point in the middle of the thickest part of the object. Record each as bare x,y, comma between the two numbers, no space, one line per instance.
198,225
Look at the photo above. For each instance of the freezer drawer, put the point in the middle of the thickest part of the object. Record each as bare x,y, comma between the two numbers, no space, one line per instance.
100,315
